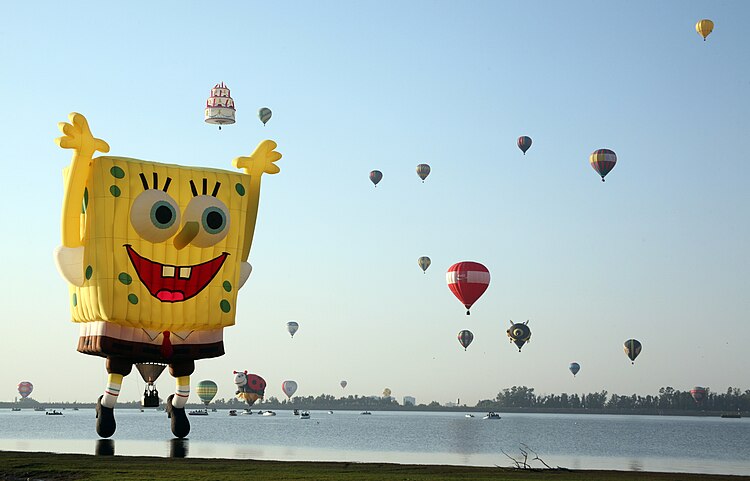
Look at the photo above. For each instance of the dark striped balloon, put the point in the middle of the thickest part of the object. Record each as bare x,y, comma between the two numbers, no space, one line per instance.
632,349
465,337
519,333
423,170
603,161
524,143
376,176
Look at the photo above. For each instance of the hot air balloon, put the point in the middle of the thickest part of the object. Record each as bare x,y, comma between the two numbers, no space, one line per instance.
465,337
574,368
289,388
632,349
206,391
375,177
519,333
468,281
220,106
698,393
250,387
25,388
386,392
424,262
264,114
150,372
423,170
603,160
343,384
292,327
704,27
524,143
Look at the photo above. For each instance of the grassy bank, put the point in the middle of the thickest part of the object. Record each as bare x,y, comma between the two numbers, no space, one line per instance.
16,466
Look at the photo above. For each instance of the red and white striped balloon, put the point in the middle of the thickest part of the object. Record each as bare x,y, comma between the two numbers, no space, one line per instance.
468,281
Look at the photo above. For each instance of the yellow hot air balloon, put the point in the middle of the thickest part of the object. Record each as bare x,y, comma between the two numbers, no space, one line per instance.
704,27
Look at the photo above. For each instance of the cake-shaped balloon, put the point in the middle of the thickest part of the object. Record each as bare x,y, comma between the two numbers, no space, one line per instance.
220,106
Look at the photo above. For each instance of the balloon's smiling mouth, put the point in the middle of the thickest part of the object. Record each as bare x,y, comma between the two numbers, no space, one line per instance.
174,283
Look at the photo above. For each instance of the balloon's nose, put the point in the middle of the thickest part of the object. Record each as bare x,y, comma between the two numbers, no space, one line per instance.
186,234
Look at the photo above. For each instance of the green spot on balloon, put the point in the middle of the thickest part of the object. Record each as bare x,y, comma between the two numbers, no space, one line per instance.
240,189
89,271
225,306
227,286
117,172
115,191
75,300
125,278
85,200
133,298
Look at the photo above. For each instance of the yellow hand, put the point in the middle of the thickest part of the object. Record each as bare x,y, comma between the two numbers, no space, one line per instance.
261,160
77,136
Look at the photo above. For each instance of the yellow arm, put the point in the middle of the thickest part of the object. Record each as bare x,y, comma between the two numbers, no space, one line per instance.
76,136
260,161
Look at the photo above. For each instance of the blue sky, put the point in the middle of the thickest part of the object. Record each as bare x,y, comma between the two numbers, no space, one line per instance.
658,252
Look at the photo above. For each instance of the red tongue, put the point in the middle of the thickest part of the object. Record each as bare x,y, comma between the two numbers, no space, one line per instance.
170,296
166,346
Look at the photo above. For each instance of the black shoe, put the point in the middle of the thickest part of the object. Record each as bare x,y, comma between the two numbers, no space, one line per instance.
180,423
105,419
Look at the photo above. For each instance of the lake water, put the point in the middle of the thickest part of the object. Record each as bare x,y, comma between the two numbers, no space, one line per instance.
575,441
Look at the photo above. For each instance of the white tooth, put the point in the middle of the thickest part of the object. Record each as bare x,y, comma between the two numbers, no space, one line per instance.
185,272
167,271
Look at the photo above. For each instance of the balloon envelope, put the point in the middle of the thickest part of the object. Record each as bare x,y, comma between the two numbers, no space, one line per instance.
465,337
574,368
524,143
25,388
289,388
423,170
468,281
424,262
698,393
206,390
150,371
264,114
343,384
376,176
632,349
292,327
704,27
519,333
603,161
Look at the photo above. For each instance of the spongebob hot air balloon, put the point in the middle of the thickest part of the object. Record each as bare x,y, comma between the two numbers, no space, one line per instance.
154,255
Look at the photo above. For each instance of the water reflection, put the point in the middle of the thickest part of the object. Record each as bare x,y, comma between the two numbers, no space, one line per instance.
105,447
635,465
178,448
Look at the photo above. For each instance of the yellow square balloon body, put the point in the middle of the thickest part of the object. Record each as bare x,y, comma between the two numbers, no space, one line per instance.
116,291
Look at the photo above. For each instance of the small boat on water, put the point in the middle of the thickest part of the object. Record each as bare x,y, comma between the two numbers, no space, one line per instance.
367,413
247,411
232,412
330,412
198,412
468,415
39,409
15,409
492,415
304,415
213,410
731,415
296,412
75,409
54,412
267,413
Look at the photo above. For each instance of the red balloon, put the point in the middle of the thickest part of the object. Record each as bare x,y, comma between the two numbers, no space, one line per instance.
468,281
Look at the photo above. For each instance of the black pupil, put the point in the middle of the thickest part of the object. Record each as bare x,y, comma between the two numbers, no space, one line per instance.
163,214
214,220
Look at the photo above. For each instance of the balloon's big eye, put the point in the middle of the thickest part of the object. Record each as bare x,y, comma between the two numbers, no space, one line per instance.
155,215
212,215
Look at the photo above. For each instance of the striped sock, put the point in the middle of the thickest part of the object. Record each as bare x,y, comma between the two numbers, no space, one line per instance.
182,392
114,382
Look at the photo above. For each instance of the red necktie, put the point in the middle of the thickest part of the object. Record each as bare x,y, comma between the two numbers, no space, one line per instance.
166,346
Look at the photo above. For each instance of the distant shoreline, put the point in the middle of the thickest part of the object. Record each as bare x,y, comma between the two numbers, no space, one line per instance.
17,466
456,409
